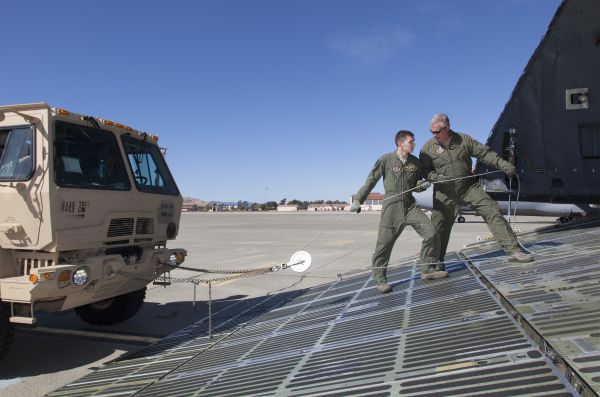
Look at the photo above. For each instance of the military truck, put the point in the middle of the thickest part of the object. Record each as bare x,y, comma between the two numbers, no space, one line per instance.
86,208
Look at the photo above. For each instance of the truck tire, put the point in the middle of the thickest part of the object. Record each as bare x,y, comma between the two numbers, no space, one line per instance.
6,332
114,310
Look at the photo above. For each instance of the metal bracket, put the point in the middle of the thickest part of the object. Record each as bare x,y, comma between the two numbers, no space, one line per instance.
166,275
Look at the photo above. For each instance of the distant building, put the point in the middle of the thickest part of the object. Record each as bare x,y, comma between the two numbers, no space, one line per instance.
219,207
188,207
327,207
374,202
287,208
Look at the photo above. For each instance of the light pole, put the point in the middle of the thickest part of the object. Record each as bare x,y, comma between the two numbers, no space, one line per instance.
266,195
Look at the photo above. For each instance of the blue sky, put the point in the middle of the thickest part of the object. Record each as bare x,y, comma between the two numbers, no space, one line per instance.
300,97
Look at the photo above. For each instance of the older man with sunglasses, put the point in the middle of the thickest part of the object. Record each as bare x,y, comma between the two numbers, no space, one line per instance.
447,157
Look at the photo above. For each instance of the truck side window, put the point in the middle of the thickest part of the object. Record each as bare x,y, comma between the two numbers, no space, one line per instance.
88,158
16,154
148,167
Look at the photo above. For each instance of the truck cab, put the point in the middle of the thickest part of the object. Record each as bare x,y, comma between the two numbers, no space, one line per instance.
87,206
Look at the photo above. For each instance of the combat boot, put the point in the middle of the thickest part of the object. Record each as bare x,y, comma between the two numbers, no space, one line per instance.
384,287
427,276
427,272
434,275
520,257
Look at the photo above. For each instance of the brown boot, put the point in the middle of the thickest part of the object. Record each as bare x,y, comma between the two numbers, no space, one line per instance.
520,257
426,276
384,287
435,275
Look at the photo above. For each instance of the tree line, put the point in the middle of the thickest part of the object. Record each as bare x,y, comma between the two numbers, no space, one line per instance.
243,205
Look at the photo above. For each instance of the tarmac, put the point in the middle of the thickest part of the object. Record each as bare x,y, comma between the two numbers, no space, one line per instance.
62,348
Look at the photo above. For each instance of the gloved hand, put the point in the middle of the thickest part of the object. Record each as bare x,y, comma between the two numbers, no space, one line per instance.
355,207
423,185
511,171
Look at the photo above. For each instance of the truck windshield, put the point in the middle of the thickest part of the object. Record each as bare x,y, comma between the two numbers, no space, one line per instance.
88,158
148,166
16,153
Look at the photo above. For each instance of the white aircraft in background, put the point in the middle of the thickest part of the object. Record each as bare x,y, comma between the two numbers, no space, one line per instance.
564,212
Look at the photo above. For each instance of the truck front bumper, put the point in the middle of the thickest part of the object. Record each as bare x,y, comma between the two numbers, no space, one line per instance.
65,286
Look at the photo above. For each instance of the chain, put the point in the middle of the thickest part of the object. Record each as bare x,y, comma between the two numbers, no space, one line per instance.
235,274
231,271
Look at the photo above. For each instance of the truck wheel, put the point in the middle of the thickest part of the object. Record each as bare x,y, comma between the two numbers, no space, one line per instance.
114,310
461,219
6,332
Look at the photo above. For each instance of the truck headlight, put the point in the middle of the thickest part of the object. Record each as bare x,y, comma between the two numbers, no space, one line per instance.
81,276
172,261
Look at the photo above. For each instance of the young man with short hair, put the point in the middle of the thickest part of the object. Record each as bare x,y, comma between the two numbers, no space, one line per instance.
401,171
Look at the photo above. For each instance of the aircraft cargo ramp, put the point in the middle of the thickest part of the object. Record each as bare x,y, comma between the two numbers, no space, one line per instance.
490,329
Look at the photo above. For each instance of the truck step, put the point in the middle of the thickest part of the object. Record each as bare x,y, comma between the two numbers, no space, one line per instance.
22,320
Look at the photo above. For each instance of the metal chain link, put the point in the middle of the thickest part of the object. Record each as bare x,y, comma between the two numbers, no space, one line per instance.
227,271
236,274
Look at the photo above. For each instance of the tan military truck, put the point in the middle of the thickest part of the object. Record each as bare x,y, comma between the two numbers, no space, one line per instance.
86,208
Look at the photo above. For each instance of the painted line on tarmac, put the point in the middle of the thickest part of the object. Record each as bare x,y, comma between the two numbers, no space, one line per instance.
220,283
109,336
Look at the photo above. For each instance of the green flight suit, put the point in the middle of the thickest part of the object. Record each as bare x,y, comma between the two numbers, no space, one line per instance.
399,211
442,163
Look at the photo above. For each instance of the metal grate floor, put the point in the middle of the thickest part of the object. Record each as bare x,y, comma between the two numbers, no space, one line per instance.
450,337
557,296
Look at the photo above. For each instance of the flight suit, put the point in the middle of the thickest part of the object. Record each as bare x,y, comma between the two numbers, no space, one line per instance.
399,211
454,161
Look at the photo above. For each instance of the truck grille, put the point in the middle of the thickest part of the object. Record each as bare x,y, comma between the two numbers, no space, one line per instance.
26,265
120,227
144,226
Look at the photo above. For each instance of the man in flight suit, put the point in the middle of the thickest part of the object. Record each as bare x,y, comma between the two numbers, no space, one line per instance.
401,171
448,156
